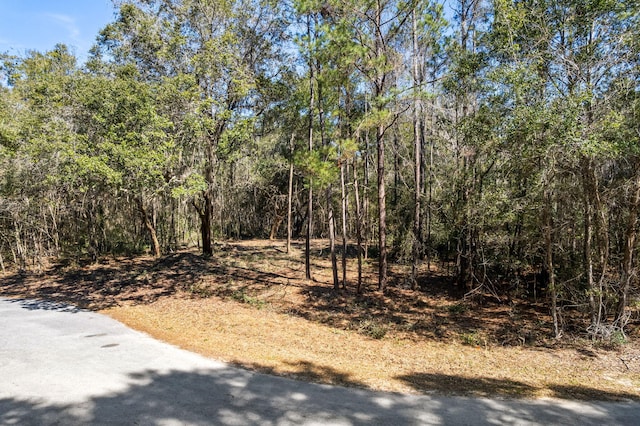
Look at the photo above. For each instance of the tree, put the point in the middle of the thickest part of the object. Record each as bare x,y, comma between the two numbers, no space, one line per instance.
225,46
370,32
35,137
427,25
125,140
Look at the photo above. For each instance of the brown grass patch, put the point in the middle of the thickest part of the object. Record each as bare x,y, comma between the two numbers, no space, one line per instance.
249,305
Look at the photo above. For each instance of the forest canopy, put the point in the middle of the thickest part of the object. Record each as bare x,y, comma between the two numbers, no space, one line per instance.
499,137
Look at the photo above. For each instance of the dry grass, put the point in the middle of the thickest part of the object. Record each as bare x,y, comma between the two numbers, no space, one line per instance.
249,305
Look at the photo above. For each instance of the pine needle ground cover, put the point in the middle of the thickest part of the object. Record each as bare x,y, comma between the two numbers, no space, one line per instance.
249,305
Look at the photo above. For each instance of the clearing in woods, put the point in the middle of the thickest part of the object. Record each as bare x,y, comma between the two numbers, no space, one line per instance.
250,305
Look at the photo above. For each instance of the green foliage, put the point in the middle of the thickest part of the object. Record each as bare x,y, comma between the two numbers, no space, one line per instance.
618,338
242,297
318,166
127,142
8,127
190,186
527,117
372,329
458,309
201,290
472,338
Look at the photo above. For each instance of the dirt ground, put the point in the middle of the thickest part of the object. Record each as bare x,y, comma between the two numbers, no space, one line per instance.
250,305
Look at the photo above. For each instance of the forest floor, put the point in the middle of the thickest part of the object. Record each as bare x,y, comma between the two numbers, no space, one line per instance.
250,305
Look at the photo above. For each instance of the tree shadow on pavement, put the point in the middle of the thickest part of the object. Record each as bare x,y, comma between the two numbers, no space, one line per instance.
228,396
46,305
487,387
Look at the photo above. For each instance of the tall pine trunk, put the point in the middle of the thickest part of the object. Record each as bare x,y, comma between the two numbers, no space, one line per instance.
382,213
358,227
343,191
548,239
332,240
587,189
331,220
380,130
629,246
307,243
417,156
290,194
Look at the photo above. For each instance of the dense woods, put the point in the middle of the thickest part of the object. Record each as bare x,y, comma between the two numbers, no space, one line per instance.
500,138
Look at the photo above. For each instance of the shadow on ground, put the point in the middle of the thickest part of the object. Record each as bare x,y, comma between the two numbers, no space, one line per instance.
443,384
228,396
100,286
487,387
46,305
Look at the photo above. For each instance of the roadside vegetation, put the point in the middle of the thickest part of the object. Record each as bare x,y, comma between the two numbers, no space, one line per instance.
251,306
457,183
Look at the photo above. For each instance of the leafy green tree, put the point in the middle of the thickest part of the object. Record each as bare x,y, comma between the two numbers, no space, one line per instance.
225,47
560,65
123,141
367,35
35,137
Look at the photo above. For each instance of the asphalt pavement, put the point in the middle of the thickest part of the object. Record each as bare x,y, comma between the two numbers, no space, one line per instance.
60,365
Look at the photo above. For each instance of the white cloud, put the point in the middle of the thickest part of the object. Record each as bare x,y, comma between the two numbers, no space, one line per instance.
67,22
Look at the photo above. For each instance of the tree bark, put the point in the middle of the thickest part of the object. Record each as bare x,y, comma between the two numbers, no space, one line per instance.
205,226
548,239
358,227
332,240
275,226
382,213
417,154
155,244
380,130
290,195
366,202
588,241
330,213
343,190
307,245
627,262
206,213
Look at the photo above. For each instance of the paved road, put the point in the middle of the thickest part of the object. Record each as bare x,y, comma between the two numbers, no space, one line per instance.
60,365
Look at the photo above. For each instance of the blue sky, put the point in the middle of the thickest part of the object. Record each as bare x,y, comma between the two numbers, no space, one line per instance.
41,24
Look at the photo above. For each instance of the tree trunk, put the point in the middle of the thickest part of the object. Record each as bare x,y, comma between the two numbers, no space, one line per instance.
627,262
290,195
396,167
602,229
55,231
275,226
21,258
365,213
382,213
417,154
205,226
380,130
548,239
588,243
428,243
343,190
206,212
358,227
332,240
155,244
307,245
